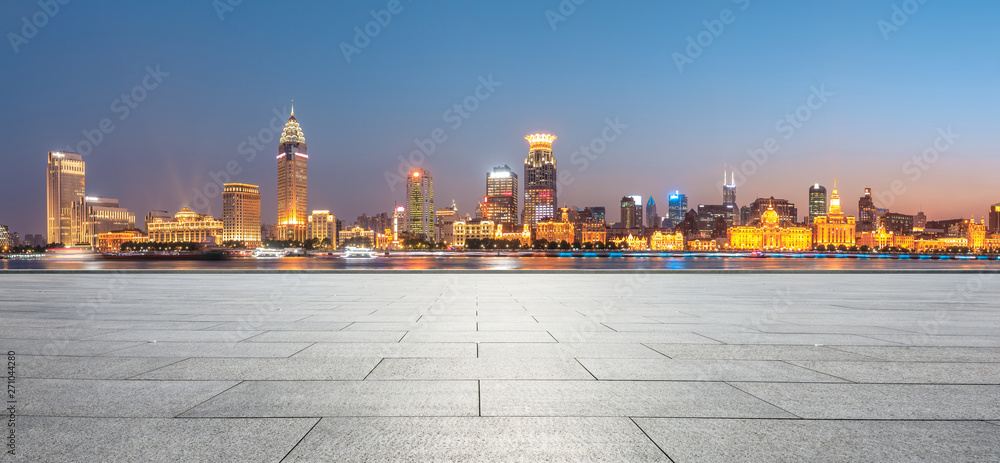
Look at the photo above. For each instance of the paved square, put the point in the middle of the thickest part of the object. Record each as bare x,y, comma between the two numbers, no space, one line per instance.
504,367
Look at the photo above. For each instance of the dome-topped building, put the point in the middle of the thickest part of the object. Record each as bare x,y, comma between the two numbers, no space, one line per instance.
770,235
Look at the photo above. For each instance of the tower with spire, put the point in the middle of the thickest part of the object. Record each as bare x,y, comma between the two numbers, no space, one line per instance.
293,182
729,188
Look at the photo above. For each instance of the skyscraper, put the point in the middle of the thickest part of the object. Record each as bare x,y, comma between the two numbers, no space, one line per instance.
420,203
293,182
65,182
994,223
652,220
833,227
630,214
500,203
817,202
677,206
241,214
729,190
867,213
539,179
94,215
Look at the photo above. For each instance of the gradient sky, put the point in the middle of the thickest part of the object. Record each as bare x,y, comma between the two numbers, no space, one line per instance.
607,59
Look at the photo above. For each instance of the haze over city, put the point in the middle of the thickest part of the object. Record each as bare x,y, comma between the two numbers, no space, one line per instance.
879,86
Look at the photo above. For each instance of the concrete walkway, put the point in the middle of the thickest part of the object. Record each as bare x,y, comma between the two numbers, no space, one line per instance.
513,367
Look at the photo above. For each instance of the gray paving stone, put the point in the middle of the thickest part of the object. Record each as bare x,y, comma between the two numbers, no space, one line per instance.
752,352
621,398
415,326
631,337
211,349
798,339
175,336
701,370
478,368
58,440
343,398
114,398
276,325
929,340
925,353
526,350
68,367
881,401
477,336
391,350
548,326
909,372
476,439
70,333
66,348
712,440
327,336
284,369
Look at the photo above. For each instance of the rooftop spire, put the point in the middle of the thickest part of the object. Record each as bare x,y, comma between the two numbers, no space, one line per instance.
293,107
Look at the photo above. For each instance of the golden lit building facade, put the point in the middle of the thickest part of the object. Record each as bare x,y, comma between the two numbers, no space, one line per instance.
186,226
702,244
420,203
368,236
293,183
241,214
473,229
555,231
593,232
633,243
770,235
323,225
666,241
94,215
940,244
834,228
113,241
65,185
880,239
539,179
523,236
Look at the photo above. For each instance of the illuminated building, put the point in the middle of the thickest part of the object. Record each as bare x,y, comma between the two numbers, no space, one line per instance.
598,213
833,228
866,212
444,224
241,214
93,215
900,224
420,203
553,230
652,220
593,232
702,245
677,206
524,236
477,229
539,179
708,214
633,243
630,214
976,234
882,238
994,225
817,201
770,235
64,181
323,225
157,215
368,236
185,226
729,191
113,241
919,222
377,222
293,183
5,239
500,203
666,241
384,240
942,243
787,212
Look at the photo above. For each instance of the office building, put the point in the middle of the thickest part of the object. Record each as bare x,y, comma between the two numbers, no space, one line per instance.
186,226
94,215
729,190
65,185
323,226
6,242
832,227
994,219
478,229
709,214
293,183
444,225
539,179
420,203
817,202
900,224
787,212
241,214
677,206
652,219
920,222
867,217
501,202
630,213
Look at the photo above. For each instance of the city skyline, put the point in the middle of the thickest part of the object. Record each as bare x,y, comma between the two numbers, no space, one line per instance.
874,100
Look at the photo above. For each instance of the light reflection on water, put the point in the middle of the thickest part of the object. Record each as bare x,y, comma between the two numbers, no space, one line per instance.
526,262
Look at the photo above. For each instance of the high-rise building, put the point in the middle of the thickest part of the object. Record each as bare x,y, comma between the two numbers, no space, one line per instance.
293,182
652,220
787,212
539,179
444,224
420,203
833,228
630,214
323,226
920,222
729,190
708,215
817,201
241,214
5,239
65,185
867,217
900,224
994,219
598,214
677,206
500,203
92,216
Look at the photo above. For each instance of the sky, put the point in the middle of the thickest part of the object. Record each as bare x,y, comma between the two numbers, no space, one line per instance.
646,97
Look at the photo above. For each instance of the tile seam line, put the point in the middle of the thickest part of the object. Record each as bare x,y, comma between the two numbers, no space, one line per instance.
300,440
643,431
